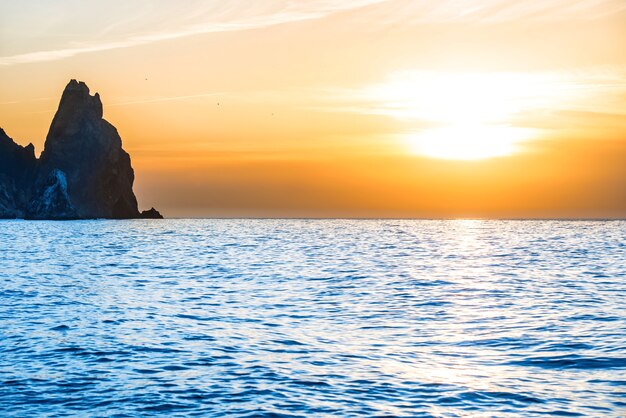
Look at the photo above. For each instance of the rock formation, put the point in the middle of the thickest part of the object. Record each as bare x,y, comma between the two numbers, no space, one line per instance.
151,213
83,171
17,170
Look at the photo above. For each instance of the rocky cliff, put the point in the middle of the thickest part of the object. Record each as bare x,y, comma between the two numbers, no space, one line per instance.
17,171
83,171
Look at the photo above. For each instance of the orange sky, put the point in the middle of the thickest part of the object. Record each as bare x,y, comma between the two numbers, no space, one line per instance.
354,108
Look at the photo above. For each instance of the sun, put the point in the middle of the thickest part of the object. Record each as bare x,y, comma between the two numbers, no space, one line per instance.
468,142
464,116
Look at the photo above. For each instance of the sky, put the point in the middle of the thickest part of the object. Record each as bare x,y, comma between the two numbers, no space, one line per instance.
352,108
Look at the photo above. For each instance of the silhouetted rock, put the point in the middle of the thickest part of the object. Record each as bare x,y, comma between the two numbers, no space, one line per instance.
151,214
17,170
83,172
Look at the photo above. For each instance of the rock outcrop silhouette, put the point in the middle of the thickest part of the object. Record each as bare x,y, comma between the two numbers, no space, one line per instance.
151,213
83,171
18,167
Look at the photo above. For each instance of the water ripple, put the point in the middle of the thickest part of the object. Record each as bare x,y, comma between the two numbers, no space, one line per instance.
298,318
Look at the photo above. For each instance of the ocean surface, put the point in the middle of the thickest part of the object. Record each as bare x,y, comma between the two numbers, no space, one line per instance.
286,318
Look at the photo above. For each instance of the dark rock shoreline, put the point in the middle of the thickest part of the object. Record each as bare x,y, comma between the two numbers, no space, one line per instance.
83,171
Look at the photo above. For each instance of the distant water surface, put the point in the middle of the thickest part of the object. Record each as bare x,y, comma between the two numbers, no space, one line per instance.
312,318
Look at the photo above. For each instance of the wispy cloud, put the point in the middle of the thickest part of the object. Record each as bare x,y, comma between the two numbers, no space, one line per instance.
124,25
424,97
167,99
39,99
499,11
131,101
206,21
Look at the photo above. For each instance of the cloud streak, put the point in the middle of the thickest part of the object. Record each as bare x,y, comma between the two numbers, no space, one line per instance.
40,99
500,11
530,99
283,12
137,28
168,99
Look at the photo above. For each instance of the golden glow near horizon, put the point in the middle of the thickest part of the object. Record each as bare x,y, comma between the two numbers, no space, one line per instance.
390,108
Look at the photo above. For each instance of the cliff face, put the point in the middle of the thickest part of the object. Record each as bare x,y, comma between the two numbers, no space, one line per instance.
84,152
83,172
17,170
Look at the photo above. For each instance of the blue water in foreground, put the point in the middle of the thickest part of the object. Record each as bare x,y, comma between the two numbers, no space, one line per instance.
312,318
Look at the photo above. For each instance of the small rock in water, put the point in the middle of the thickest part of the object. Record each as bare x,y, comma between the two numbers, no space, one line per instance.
151,214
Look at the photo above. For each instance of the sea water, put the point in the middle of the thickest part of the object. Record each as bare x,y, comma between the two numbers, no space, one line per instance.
313,318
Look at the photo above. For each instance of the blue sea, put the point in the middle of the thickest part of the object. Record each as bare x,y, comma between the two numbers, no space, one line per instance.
312,318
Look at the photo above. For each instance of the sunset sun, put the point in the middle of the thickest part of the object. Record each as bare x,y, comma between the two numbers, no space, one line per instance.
466,116
468,141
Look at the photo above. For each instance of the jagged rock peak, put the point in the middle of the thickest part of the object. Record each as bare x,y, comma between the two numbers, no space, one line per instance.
8,145
77,100
88,151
